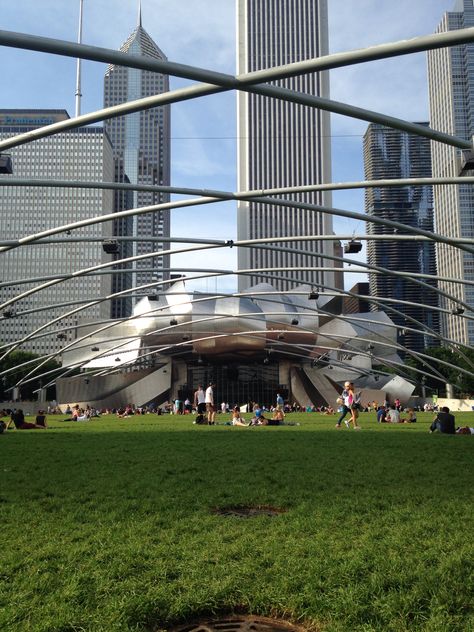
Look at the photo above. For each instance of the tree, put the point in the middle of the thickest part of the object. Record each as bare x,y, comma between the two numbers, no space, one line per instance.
463,383
12,363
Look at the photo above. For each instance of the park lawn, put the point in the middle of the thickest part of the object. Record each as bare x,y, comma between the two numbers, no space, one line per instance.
111,525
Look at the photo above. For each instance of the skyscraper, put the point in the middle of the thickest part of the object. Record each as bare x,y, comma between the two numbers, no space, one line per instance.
390,153
451,93
141,143
281,143
80,154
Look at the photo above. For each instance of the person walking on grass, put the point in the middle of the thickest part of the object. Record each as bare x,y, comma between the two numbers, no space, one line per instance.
343,400
350,404
354,399
280,402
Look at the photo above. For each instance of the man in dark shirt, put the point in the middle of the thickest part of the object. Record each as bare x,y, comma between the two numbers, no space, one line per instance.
444,422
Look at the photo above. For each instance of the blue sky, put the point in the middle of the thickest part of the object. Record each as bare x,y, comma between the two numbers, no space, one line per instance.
202,33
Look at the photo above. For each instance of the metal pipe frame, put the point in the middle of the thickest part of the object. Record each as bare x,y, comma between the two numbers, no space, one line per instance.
399,365
7,181
221,295
216,317
249,82
379,300
383,302
252,333
252,243
246,196
262,244
309,188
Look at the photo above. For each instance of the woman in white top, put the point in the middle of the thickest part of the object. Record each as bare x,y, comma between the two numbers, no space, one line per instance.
200,400
351,401
211,411
393,415
237,420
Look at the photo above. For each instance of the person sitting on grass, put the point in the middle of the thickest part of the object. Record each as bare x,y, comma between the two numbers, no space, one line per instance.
465,430
81,415
18,419
411,417
41,419
382,415
393,416
278,416
77,414
237,420
259,419
278,419
444,422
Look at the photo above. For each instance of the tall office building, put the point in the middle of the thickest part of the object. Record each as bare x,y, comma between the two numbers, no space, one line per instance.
390,153
281,143
451,93
80,154
141,143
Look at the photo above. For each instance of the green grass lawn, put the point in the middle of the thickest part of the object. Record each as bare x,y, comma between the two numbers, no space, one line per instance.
110,525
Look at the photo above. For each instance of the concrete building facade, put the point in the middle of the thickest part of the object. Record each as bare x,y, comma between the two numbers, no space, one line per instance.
81,154
281,143
451,95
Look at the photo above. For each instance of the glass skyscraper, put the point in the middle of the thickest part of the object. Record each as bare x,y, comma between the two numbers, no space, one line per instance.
281,143
83,154
451,92
141,143
388,154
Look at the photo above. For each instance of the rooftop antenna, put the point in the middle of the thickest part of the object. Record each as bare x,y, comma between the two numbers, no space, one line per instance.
78,65
139,13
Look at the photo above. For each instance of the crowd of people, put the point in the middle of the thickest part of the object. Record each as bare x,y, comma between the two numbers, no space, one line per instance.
392,414
204,409
16,419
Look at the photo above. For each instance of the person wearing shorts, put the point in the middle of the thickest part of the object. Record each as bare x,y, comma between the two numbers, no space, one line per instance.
210,408
200,400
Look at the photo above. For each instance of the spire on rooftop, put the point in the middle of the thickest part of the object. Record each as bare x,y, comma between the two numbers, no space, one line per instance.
139,23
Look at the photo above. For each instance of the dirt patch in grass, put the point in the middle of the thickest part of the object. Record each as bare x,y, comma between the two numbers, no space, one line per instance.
249,511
